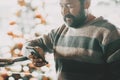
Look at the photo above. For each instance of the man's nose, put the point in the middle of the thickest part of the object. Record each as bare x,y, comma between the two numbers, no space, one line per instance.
65,10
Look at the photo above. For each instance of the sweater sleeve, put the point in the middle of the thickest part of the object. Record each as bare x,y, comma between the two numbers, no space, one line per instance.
47,41
112,48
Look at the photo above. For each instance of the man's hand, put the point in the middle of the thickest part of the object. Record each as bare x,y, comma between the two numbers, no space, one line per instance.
35,53
38,62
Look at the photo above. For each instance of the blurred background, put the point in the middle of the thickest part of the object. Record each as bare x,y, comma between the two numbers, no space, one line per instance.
22,20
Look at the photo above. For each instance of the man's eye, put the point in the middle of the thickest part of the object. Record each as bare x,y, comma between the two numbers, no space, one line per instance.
62,6
70,6
67,5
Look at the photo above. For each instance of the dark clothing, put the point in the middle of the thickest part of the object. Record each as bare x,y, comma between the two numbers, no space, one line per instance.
74,70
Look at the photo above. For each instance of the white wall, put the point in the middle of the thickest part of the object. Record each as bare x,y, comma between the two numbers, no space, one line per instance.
112,12
5,11
108,10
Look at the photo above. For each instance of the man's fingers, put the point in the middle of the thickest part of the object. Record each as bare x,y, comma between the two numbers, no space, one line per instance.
39,64
30,56
37,60
33,56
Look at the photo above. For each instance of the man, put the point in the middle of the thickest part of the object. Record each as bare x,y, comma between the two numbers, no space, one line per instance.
83,46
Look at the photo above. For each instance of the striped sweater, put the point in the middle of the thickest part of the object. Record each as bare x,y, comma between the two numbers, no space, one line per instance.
96,42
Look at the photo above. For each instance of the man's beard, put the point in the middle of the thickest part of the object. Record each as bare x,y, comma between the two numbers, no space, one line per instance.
75,21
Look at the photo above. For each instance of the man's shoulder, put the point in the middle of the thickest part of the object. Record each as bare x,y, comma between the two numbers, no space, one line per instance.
60,28
104,23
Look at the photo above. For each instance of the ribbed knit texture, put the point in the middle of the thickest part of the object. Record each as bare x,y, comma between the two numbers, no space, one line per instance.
92,43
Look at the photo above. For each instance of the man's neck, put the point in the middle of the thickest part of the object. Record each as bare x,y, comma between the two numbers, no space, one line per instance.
90,17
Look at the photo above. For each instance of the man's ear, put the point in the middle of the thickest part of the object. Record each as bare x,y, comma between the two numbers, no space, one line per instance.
87,4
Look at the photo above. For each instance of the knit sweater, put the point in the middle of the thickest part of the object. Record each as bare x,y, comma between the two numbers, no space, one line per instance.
82,50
